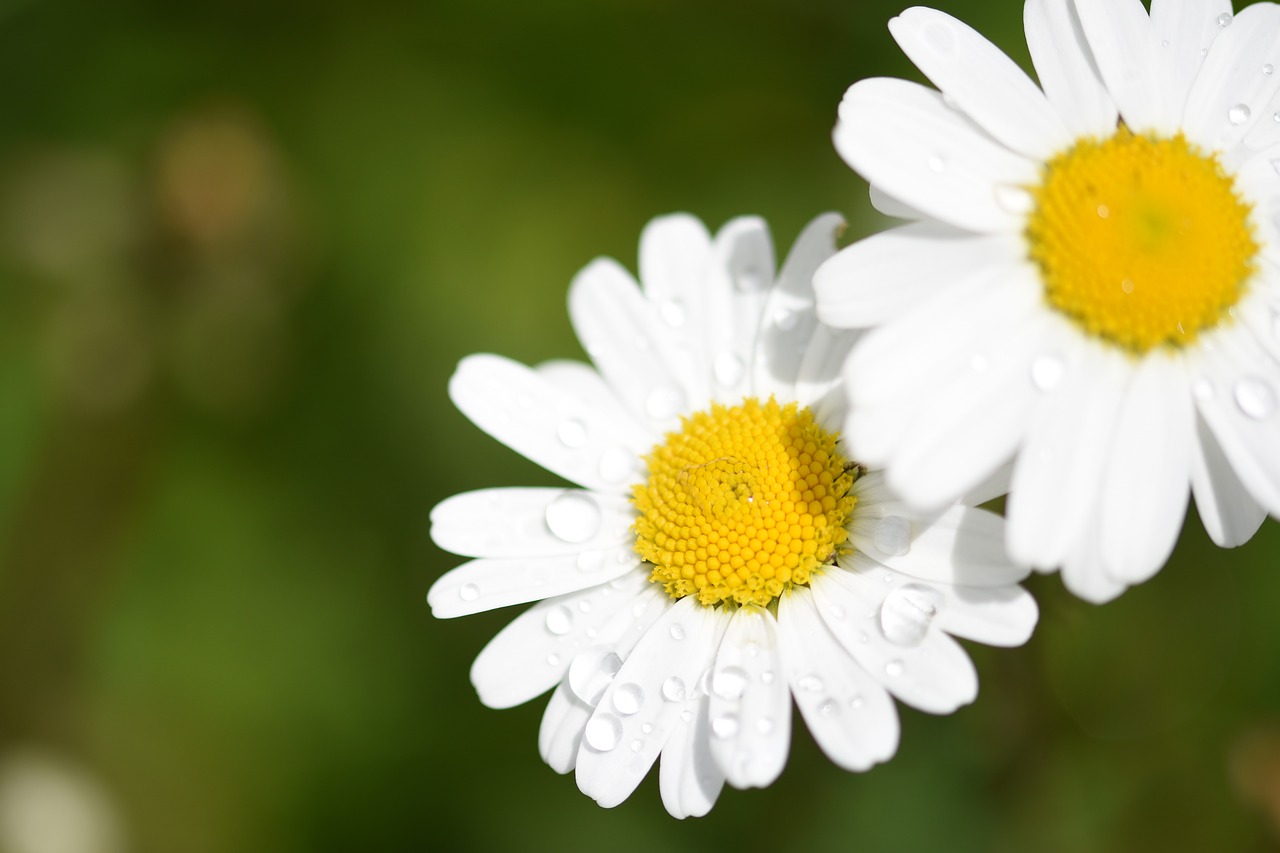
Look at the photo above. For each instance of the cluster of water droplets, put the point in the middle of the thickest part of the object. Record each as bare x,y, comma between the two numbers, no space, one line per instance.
1254,396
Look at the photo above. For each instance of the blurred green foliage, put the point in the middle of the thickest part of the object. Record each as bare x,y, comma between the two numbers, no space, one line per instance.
242,246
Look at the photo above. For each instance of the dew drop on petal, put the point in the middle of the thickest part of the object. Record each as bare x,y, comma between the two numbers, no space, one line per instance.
1047,371
936,165
590,561
1255,398
1225,19
591,672
673,689
856,703
785,319
469,592
672,311
627,698
677,632
1239,114
837,612
828,708
749,280
729,369
647,728
892,536
602,732
725,726
907,613
664,402
729,683
584,606
893,668
764,725
572,433
560,620
1268,69
810,683
766,677
573,517
1203,389
1014,199
553,659
686,715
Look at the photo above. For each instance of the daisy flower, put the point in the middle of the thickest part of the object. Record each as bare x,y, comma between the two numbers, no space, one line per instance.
724,551
1088,294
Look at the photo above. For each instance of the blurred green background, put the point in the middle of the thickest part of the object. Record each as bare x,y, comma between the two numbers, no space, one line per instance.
242,246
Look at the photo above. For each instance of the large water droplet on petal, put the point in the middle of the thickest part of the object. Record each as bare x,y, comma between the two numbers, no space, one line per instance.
907,612
725,726
729,683
602,732
893,668
572,433
672,312
591,672
673,689
627,698
809,683
469,592
1239,114
1255,398
1225,19
1046,372
560,620
573,517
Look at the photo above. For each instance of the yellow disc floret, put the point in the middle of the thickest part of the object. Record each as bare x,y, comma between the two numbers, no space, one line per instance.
743,502
1142,241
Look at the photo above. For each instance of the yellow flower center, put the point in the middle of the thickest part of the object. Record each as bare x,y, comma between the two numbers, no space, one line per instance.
1142,241
742,503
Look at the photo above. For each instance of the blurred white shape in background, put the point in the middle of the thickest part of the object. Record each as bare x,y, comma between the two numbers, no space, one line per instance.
50,805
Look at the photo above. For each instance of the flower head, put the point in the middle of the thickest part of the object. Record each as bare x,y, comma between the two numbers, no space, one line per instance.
724,550
1089,288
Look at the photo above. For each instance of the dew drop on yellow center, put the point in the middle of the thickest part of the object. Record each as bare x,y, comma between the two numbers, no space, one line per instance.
742,503
1141,241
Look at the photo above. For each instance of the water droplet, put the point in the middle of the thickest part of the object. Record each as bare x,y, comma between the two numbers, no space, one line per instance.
584,606
936,165
560,620
729,683
724,726
573,517
647,728
1014,199
1255,398
602,732
686,715
1268,69
892,536
637,745
893,668
837,612
729,369
764,725
752,649
766,677
590,561
749,280
572,433
810,683
1127,285
1203,389
828,708
664,402
1225,19
591,672
863,638
907,612
615,464
1047,371
1276,117
672,312
673,689
785,320
553,659
979,363
856,702
469,592
677,632
627,698
1239,114
1103,211
1204,51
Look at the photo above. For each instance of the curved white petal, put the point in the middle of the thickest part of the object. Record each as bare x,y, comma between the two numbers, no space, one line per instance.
997,616
933,674
902,138
529,522
688,777
750,706
818,384
488,584
1231,92
584,383
1082,570
533,652
635,716
1066,68
737,290
890,206
1148,474
882,277
544,424
981,81
560,734
1230,516
1126,50
850,715
1186,30
1058,472
962,545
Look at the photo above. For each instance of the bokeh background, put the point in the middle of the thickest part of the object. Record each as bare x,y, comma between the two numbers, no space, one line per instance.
243,244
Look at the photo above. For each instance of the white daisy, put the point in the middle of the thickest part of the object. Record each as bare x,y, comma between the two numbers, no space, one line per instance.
724,551
1091,286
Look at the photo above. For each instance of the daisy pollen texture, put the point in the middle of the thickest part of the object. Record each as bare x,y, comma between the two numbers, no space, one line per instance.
1085,295
722,551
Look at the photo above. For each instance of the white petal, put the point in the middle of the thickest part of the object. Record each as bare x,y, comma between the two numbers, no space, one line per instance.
788,322
1148,474
818,384
634,718
560,734
1126,49
533,652
1066,68
750,706
1082,570
981,81
1229,514
850,715
882,277
1237,387
962,545
1265,132
688,776
997,616
544,424
890,206
488,584
627,626
637,353
934,675
991,488
1059,470
1231,93
524,522
739,286
902,138
583,382
1186,29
